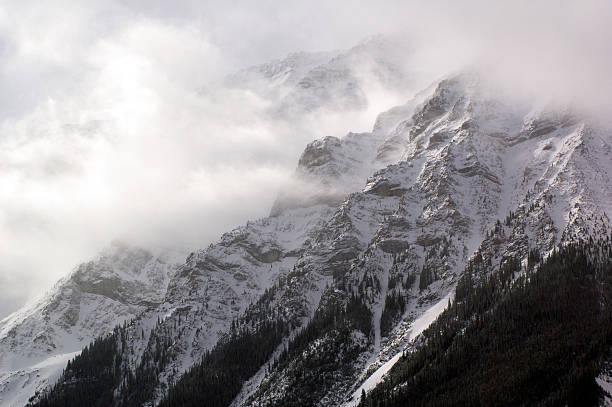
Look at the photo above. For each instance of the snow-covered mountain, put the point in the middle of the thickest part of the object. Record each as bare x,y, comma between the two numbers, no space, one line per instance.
362,249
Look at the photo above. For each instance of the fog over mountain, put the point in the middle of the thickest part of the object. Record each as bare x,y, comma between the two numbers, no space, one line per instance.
116,121
331,204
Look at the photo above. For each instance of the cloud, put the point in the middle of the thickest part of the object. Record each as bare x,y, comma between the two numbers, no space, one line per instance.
103,132
553,50
110,138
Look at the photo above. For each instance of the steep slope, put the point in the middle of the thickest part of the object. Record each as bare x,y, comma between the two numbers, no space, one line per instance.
37,341
344,280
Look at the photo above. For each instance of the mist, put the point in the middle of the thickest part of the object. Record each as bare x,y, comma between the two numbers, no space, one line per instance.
109,130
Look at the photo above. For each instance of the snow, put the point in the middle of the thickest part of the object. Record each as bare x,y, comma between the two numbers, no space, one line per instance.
250,386
605,382
17,386
429,316
417,327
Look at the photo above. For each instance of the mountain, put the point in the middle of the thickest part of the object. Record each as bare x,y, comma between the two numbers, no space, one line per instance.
377,234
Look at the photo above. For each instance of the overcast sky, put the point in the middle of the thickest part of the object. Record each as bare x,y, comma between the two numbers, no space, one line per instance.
103,134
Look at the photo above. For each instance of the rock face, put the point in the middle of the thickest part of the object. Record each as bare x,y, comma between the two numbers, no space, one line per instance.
390,216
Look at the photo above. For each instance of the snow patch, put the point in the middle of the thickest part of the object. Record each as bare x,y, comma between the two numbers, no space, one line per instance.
417,327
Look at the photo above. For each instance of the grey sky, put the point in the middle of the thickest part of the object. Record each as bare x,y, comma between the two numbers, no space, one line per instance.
103,134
